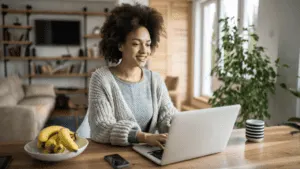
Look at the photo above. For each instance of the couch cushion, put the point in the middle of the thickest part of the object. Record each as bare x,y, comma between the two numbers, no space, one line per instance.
7,100
39,90
44,106
15,87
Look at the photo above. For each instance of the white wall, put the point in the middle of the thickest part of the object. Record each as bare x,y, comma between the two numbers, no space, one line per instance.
278,28
44,51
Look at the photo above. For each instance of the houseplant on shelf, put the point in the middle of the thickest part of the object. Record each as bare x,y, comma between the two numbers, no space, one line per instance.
246,74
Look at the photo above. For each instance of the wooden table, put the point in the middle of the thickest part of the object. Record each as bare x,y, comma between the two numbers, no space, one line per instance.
279,150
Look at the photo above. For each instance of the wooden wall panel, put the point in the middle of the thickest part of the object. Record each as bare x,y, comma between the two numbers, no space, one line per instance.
159,61
172,56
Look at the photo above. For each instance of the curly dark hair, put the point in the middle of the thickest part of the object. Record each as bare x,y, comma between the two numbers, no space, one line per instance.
124,19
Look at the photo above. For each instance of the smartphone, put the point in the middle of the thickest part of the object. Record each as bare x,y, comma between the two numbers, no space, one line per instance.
5,161
116,161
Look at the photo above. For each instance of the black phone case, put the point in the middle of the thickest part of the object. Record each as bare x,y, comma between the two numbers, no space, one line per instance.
6,162
106,158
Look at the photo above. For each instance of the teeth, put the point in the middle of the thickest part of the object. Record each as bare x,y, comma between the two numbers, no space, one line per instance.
142,59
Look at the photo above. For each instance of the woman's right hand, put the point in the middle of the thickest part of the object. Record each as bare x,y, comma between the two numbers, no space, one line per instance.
153,139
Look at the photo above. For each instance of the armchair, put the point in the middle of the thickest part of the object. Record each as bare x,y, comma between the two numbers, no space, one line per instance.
172,83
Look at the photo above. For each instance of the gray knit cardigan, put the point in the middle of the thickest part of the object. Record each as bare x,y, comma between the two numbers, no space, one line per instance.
111,119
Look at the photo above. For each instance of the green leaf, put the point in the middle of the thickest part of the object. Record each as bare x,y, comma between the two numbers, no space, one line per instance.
286,66
283,85
261,49
277,60
294,119
294,92
255,36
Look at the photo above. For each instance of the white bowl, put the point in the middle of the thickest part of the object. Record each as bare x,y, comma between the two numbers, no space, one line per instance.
33,151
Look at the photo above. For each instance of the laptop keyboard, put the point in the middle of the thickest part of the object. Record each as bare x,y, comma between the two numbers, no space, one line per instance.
157,153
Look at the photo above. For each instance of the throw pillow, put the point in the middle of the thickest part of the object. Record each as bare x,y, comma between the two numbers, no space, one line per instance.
39,90
16,87
7,100
4,87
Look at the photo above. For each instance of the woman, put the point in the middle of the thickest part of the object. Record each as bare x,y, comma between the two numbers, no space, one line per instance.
128,103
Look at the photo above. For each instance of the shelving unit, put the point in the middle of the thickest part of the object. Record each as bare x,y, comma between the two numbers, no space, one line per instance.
58,75
77,91
17,42
16,27
38,58
27,42
50,12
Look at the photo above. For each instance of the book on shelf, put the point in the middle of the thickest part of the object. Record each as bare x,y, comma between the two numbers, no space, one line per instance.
46,69
16,49
81,68
71,68
32,68
66,68
40,69
76,68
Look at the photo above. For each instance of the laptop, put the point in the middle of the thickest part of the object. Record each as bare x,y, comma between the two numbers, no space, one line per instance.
194,134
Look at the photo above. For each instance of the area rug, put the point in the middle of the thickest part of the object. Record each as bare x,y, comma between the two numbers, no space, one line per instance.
66,121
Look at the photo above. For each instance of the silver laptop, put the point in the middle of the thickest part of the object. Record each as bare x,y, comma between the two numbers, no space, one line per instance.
194,134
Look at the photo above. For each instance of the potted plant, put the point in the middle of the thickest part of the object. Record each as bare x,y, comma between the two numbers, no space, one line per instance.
246,74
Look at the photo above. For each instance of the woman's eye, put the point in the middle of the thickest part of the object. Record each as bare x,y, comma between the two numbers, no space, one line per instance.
148,45
135,44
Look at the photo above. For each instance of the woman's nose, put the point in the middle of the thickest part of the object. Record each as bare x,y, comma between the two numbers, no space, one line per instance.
143,49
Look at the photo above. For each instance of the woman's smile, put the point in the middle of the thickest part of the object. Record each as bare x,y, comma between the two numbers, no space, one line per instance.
141,58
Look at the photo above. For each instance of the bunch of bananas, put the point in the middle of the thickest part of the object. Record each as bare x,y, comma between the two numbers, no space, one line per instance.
56,139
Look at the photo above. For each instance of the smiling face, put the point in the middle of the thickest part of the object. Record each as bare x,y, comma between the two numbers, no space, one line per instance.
136,49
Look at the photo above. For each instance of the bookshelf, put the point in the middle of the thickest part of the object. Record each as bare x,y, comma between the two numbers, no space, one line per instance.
16,27
17,42
62,75
48,58
50,12
26,42
75,91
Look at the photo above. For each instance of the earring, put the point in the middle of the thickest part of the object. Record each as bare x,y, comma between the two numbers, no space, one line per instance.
120,48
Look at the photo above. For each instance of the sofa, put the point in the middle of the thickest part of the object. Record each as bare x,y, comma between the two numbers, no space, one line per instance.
24,109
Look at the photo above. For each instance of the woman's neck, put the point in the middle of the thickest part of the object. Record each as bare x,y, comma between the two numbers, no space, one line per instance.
131,74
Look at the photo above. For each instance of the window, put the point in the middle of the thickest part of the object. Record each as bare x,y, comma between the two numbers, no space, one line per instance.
208,33
250,18
229,8
250,13
208,45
